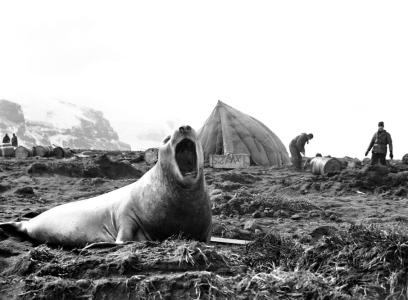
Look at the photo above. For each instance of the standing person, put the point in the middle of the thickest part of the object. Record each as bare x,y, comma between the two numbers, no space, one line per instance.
379,144
14,141
297,146
6,139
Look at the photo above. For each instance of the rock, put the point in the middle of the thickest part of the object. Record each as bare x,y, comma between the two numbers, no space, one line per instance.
316,186
314,214
333,217
401,192
284,214
251,225
337,186
97,181
323,231
83,283
4,188
217,228
151,155
3,236
295,217
268,213
136,157
27,190
305,188
350,163
241,234
38,168
375,169
256,214
399,178
354,164
305,239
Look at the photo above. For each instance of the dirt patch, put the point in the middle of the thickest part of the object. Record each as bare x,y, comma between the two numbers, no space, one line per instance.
244,202
51,272
102,166
305,241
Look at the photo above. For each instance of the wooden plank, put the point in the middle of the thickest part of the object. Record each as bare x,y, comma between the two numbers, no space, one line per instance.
221,240
230,161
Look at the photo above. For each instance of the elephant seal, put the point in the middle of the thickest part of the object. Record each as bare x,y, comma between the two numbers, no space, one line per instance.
171,198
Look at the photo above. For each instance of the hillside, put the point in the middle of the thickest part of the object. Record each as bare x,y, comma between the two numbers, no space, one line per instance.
59,123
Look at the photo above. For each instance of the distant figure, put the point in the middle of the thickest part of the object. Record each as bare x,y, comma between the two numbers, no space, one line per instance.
14,141
297,146
6,139
379,144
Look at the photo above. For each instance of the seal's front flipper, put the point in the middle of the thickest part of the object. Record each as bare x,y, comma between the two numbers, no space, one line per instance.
14,229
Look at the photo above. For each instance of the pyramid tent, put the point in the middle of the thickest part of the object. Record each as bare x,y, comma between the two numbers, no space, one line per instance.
228,130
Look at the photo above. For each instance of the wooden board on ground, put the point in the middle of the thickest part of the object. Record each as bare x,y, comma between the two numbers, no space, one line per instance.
230,161
220,240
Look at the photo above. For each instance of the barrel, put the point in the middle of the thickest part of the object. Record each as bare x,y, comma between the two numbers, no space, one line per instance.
42,151
60,152
325,165
22,152
6,150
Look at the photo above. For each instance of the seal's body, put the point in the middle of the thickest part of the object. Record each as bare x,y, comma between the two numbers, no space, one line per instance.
170,199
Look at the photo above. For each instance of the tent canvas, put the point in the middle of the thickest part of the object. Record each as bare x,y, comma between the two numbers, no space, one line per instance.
228,130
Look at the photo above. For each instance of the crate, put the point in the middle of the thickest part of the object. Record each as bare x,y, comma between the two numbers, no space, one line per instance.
229,161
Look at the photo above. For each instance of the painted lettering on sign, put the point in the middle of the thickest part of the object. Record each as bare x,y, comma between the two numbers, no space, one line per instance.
230,161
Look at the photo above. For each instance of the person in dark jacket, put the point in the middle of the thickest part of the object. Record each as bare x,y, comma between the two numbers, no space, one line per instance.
379,144
14,141
6,139
297,146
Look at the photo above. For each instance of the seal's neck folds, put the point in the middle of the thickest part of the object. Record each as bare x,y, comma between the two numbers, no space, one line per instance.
186,158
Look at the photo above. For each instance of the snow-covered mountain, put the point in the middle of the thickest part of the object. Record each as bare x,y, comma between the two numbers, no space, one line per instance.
58,123
143,135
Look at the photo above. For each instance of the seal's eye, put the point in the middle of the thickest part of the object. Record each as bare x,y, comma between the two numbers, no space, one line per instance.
166,139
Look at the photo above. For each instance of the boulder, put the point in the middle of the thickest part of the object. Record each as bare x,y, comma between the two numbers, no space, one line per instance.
251,225
151,155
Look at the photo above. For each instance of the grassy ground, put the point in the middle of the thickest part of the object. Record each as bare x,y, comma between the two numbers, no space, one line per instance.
314,237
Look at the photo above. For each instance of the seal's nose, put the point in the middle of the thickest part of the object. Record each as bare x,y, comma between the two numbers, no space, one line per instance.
185,129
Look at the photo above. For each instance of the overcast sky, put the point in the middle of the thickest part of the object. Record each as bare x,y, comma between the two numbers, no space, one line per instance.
334,68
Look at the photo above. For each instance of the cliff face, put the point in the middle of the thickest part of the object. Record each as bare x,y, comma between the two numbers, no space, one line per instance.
59,123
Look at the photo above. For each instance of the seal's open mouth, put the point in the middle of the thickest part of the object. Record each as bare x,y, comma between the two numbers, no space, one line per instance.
186,157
